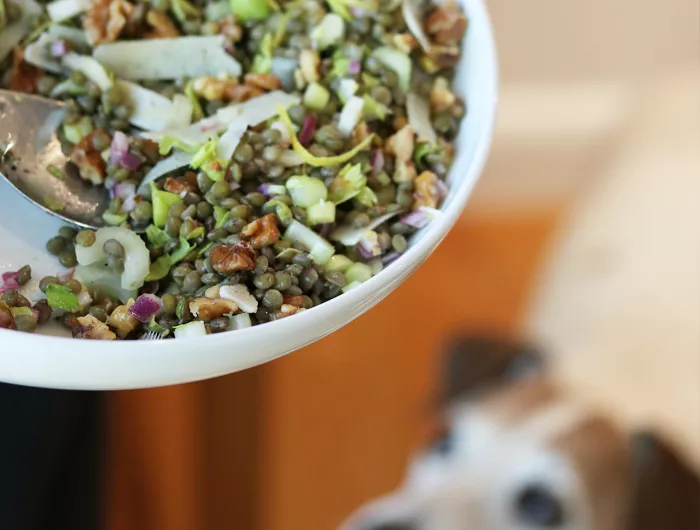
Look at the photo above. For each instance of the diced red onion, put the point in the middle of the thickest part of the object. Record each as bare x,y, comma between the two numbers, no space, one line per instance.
9,281
119,147
354,67
59,48
417,219
442,188
124,189
325,230
66,275
145,307
271,190
307,131
390,258
368,246
119,152
377,161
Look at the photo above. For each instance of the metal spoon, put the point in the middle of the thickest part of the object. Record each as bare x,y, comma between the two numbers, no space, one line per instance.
30,154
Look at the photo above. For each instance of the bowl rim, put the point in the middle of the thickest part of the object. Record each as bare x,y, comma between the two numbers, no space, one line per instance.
359,297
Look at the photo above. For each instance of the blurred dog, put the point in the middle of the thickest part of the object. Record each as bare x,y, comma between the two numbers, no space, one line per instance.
519,453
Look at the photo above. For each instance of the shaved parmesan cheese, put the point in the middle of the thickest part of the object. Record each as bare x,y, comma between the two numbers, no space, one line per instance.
175,161
150,59
13,34
418,112
64,9
93,70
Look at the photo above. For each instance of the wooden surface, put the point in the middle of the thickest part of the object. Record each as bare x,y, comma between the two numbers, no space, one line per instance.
299,443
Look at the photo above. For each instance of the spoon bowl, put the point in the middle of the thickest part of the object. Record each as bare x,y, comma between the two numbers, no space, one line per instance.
32,162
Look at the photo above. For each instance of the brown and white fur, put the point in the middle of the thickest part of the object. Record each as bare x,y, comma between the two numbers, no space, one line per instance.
522,454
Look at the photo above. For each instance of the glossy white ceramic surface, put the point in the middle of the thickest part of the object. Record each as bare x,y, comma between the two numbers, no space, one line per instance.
60,362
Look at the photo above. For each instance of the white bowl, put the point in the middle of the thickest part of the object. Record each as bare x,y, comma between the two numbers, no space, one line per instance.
61,362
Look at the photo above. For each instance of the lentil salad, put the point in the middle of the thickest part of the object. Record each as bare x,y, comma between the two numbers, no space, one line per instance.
274,155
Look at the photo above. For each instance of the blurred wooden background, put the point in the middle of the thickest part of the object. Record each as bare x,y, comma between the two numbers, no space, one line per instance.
299,443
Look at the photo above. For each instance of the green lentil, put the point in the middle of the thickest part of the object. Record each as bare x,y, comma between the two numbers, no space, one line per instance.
273,299
192,282
399,243
46,281
56,244
67,258
264,281
168,304
24,274
74,285
99,313
26,323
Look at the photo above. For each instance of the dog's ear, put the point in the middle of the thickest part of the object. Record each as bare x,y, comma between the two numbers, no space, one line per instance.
475,363
666,491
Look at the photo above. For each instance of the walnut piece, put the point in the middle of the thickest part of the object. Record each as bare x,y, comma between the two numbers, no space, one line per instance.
88,327
105,20
441,96
262,232
162,24
180,185
24,76
447,24
427,191
287,310
309,63
230,28
89,160
405,42
263,81
123,322
401,145
213,89
227,259
207,309
296,301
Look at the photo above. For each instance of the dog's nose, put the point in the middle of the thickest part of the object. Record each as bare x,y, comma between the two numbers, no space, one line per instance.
393,525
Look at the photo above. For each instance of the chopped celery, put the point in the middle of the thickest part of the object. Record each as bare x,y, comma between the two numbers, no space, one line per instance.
53,204
221,215
250,9
197,112
366,197
61,297
341,65
157,328
157,236
183,10
329,32
159,269
339,263
240,321
397,61
68,87
320,213
75,132
351,286
369,81
319,161
114,219
168,142
306,191
373,110
205,159
262,62
346,89
20,312
197,232
350,115
421,150
281,29
217,10
347,184
181,252
162,201
339,7
3,15
320,250
316,96
358,272
192,329
284,213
